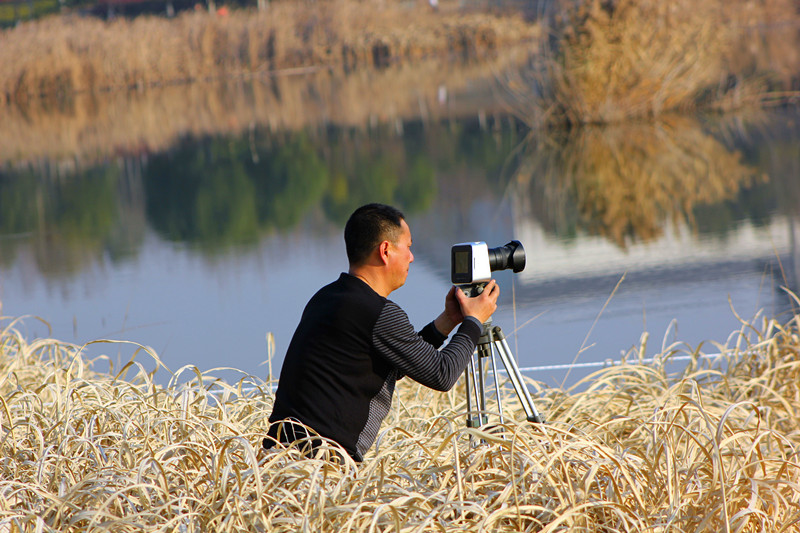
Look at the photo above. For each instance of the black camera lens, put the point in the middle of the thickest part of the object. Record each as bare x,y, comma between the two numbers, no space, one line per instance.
511,255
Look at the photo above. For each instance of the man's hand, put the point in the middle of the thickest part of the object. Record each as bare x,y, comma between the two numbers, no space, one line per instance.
458,305
452,315
482,306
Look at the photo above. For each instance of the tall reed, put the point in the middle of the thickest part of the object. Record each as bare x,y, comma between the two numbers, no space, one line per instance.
714,447
59,56
605,62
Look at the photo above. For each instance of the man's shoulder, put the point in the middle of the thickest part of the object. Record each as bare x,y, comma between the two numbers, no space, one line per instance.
392,316
349,291
349,283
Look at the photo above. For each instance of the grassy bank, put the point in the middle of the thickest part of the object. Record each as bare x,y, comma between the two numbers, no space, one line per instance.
60,56
594,62
714,448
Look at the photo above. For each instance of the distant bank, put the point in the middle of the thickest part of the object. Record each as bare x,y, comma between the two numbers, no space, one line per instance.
59,56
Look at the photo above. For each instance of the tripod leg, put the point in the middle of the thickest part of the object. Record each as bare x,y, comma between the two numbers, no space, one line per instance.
496,385
474,414
484,350
467,380
516,377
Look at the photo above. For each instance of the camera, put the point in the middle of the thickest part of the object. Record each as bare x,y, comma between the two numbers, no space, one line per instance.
472,263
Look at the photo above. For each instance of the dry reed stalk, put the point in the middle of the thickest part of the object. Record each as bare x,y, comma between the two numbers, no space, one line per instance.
631,448
59,56
766,53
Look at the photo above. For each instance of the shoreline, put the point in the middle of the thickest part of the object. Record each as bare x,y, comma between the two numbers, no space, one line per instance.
88,126
62,56
588,64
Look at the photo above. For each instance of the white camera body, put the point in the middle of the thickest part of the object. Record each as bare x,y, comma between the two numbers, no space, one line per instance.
470,263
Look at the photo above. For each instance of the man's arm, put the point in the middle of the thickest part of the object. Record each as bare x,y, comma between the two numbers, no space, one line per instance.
395,339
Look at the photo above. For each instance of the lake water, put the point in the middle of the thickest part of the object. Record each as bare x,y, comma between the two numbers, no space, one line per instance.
202,231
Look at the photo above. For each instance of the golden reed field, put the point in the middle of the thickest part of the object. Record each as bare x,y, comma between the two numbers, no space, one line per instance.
715,447
606,62
595,62
95,445
59,56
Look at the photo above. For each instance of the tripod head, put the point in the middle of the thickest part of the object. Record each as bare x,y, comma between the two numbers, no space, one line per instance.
473,289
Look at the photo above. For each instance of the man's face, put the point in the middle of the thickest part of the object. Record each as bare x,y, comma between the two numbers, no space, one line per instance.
401,256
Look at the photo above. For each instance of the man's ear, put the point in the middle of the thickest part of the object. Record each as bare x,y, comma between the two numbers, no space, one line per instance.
383,251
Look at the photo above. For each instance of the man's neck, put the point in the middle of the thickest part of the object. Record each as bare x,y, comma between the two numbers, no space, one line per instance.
370,277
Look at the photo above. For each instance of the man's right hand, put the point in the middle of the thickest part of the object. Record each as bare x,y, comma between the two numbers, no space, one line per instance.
482,306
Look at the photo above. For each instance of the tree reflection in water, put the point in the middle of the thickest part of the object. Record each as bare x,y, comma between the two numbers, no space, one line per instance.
626,183
630,183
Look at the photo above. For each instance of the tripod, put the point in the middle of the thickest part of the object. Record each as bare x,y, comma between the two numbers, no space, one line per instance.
493,340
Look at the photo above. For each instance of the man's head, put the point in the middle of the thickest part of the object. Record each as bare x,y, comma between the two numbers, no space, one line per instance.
377,235
367,227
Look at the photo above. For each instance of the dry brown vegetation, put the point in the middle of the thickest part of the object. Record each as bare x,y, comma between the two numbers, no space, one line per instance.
612,61
59,56
715,447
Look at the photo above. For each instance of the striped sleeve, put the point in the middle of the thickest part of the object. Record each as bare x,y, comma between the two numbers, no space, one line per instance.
395,339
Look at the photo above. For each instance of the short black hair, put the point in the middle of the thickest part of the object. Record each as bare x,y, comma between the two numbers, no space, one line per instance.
368,226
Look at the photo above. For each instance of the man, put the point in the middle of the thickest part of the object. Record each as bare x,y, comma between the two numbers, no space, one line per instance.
353,344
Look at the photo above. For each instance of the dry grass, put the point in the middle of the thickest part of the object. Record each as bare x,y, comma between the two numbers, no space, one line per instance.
59,56
600,61
715,448
612,61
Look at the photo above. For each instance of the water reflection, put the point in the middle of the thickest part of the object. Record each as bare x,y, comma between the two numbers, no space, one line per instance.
66,223
217,192
631,183
664,204
214,192
231,232
85,129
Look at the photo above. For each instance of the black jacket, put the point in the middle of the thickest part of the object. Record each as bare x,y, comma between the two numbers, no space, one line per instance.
349,349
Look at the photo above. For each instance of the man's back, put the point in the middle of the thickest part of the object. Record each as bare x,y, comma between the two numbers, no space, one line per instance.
331,374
